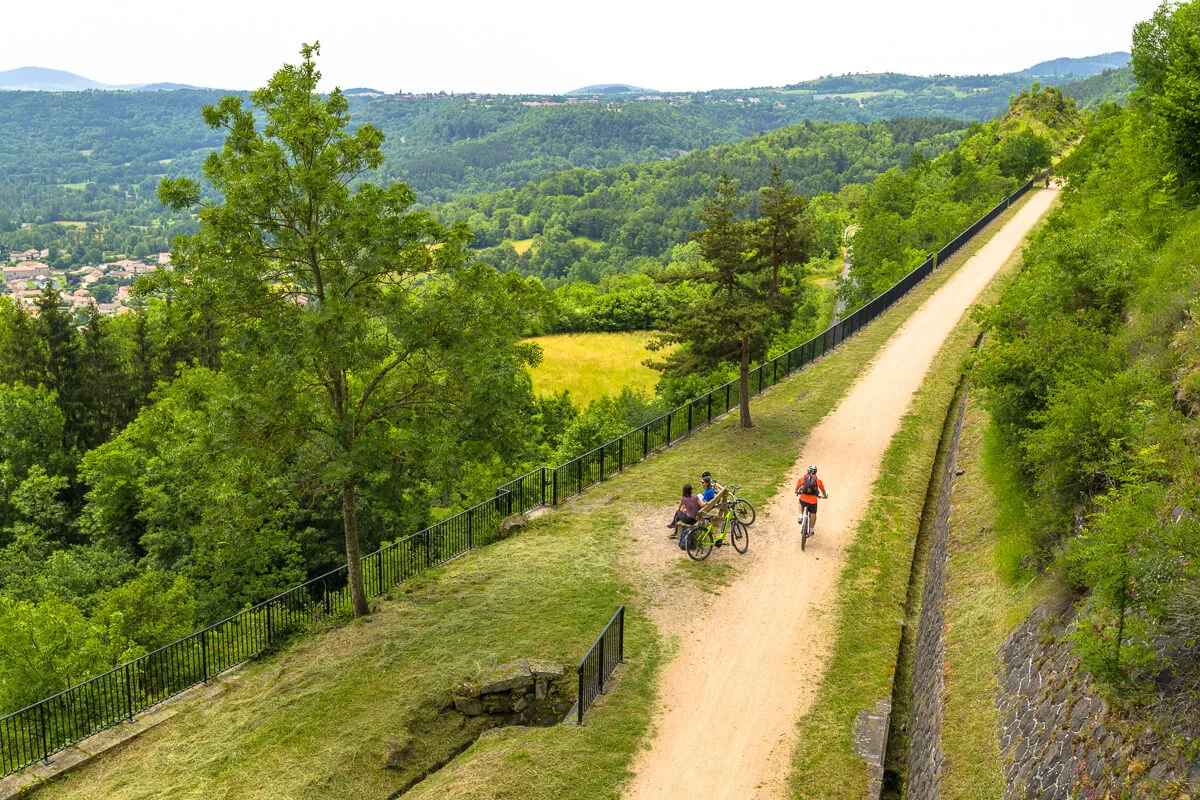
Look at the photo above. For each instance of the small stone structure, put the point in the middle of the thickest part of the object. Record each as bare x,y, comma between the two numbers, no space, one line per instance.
529,692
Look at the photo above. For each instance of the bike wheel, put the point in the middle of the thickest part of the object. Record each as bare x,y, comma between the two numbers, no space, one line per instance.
700,544
740,536
744,511
804,528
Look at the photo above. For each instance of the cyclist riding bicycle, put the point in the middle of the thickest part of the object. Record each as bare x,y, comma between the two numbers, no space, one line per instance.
809,488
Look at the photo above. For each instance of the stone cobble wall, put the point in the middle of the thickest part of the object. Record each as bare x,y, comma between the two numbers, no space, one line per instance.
1060,740
925,707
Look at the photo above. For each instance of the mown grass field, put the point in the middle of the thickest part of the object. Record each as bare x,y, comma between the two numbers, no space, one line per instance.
593,364
313,720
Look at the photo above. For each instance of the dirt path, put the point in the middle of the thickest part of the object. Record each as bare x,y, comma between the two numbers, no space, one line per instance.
749,669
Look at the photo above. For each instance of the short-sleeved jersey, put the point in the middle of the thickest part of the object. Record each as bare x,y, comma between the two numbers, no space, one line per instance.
810,498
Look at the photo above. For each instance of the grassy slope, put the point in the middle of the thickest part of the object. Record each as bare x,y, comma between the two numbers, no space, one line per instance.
312,720
593,364
872,590
987,595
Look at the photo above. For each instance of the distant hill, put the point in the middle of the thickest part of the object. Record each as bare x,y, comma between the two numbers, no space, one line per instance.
1110,86
165,87
363,90
40,79
612,88
1079,67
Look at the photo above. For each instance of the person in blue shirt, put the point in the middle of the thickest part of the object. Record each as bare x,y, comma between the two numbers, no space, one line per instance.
707,490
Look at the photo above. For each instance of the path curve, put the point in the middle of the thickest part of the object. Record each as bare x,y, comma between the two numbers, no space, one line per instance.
745,674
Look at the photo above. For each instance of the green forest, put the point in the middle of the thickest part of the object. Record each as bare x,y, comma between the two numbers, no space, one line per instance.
97,156
1091,369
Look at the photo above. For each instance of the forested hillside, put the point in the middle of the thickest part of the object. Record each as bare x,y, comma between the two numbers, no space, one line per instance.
584,224
97,156
1092,371
909,213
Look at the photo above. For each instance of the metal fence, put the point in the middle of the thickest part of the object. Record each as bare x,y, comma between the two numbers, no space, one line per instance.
598,665
39,731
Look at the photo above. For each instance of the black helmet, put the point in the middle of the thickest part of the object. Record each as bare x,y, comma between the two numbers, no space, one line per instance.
706,474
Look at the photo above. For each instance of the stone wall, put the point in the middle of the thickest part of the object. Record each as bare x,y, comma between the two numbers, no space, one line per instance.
529,692
925,707
1060,740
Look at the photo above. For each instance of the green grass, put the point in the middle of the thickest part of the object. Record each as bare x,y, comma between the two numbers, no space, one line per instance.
521,245
593,364
311,721
873,588
76,186
981,608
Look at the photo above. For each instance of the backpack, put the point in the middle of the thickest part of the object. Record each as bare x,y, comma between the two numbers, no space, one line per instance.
810,484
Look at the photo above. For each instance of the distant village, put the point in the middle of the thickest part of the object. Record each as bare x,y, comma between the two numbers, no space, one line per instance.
107,286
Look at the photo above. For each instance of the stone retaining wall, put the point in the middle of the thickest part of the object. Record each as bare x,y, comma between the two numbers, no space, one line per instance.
1060,740
925,707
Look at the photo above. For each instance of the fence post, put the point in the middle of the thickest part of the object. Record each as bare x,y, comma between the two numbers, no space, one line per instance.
602,447
645,440
579,705
204,654
45,738
471,516
620,454
543,486
621,641
600,669
689,417
129,691
669,415
270,625
710,406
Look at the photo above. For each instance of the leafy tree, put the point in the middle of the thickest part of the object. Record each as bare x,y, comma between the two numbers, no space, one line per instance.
328,288
1023,154
1166,63
732,320
783,233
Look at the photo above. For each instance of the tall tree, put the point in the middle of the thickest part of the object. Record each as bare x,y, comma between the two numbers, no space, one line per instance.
321,279
783,235
734,319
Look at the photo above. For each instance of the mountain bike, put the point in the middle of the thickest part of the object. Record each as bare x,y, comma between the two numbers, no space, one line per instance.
741,508
806,526
703,536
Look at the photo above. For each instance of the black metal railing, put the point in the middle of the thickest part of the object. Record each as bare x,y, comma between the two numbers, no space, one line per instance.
598,665
39,731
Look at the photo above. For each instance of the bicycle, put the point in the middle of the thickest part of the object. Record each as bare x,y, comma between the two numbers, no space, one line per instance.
741,508
806,525
701,537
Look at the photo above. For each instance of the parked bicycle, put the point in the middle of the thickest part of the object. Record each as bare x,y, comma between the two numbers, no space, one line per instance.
703,536
741,508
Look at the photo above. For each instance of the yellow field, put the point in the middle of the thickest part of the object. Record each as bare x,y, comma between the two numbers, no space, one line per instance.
594,364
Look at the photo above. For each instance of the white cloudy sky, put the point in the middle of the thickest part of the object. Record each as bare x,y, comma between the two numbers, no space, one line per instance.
555,45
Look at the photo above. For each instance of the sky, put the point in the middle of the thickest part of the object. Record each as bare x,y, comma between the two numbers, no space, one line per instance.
553,46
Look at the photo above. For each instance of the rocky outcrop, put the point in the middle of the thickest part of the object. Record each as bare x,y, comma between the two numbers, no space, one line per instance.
1059,738
528,692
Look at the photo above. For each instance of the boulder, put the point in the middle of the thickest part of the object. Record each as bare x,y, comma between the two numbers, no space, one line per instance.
512,524
471,706
545,669
506,677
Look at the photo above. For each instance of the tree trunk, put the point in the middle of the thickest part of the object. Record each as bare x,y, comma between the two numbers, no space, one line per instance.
353,558
744,383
